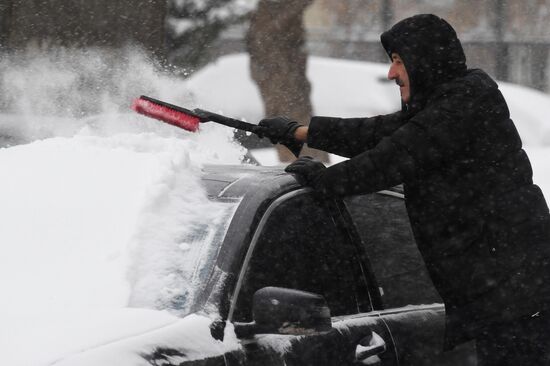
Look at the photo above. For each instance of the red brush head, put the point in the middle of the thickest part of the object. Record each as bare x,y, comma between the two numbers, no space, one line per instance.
166,114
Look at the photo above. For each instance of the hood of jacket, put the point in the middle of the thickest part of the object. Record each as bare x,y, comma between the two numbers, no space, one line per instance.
430,50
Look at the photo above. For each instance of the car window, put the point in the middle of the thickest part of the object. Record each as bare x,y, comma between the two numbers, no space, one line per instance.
301,247
383,225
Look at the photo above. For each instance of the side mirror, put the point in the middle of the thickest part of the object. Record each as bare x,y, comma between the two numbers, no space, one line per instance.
278,310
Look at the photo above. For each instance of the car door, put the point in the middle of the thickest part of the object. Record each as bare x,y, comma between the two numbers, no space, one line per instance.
410,304
300,245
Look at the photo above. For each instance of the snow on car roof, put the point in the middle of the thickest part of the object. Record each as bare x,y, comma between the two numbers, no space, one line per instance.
95,226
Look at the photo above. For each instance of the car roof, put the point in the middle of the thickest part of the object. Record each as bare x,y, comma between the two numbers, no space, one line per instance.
234,181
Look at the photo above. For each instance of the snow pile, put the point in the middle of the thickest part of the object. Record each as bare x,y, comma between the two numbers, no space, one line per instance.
91,225
90,200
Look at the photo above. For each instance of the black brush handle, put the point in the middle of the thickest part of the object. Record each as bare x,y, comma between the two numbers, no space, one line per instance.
230,122
294,146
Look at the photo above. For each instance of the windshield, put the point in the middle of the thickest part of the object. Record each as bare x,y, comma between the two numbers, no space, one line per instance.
173,279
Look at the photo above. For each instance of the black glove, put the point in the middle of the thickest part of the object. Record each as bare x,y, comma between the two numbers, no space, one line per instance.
280,130
308,171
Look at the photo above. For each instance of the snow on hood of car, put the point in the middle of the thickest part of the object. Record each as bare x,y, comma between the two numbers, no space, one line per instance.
187,339
121,336
92,228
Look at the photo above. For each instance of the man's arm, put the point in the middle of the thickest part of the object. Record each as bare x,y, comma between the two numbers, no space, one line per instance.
343,136
349,136
433,137
386,165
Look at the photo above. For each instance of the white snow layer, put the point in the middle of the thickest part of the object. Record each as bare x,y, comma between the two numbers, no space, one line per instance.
91,225
117,337
95,221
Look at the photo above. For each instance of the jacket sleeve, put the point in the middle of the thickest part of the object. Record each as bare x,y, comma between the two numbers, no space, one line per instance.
386,165
351,136
432,137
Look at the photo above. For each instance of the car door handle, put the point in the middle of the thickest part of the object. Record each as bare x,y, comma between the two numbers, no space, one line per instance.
369,346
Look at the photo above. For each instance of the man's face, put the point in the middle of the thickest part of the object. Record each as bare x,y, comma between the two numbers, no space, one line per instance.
398,73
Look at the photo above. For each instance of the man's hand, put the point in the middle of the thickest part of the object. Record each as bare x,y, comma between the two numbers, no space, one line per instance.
281,130
309,171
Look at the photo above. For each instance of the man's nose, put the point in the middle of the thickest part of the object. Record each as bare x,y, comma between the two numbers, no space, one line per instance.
392,73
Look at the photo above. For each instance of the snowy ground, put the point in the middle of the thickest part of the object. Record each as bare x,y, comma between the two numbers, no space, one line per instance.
92,209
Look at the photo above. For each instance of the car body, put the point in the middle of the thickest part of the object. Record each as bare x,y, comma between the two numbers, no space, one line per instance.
357,253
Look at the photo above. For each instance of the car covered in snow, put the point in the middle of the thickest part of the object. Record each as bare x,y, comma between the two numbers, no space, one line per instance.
299,279
204,265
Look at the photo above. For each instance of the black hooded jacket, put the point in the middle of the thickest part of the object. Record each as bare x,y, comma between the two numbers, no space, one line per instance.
480,223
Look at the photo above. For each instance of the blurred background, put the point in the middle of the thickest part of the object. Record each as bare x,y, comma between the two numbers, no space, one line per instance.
99,42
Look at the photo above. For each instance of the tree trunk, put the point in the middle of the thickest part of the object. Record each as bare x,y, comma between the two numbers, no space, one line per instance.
500,23
278,58
5,19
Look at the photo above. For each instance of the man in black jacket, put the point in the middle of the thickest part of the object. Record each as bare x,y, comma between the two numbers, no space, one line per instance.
480,223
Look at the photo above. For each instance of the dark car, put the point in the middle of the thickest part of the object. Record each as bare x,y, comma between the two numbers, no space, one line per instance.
307,280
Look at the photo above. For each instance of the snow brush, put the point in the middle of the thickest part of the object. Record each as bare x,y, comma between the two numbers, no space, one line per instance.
189,120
